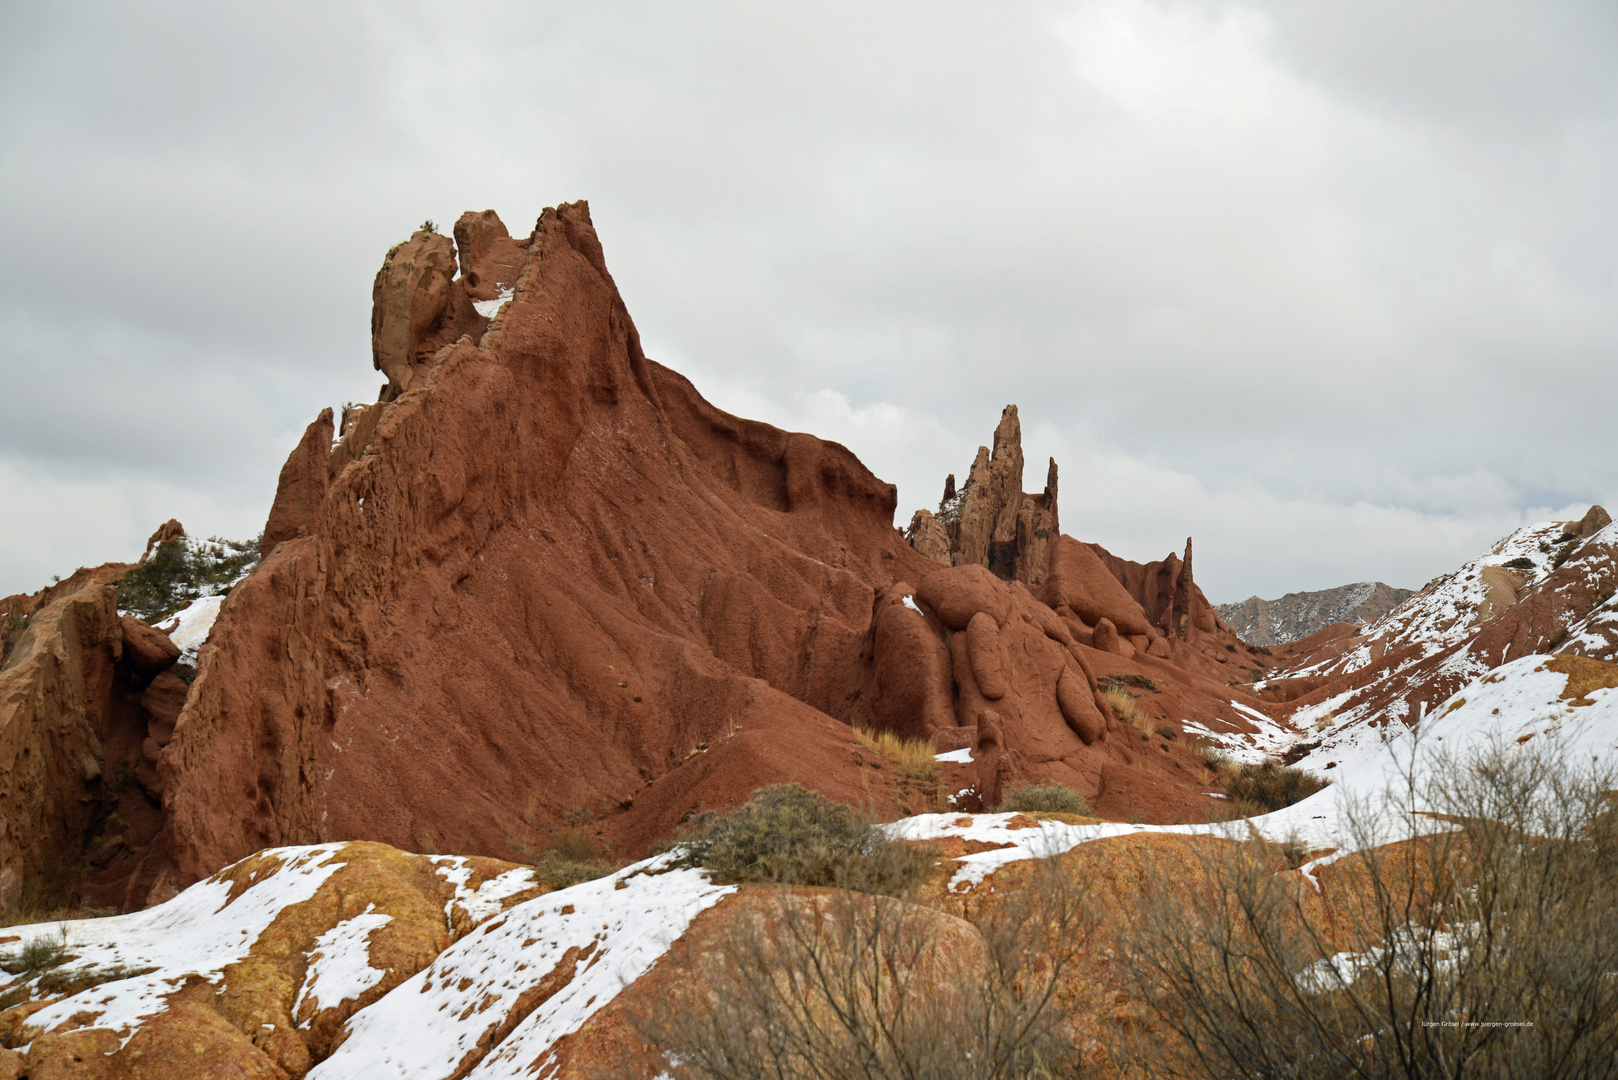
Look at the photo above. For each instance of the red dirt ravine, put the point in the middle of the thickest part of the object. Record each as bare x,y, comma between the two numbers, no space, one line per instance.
544,577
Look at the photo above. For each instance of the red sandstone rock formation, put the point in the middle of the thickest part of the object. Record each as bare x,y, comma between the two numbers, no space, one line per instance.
169,530
543,576
80,691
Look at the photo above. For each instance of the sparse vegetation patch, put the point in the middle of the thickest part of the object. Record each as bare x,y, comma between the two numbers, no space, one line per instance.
790,835
1044,799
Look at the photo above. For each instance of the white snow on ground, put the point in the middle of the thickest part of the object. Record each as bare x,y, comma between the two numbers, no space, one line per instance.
963,756
613,929
1514,704
485,900
1248,747
340,965
198,933
188,628
910,602
490,308
1597,634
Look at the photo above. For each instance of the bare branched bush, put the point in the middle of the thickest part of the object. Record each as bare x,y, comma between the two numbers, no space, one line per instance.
1484,947
836,984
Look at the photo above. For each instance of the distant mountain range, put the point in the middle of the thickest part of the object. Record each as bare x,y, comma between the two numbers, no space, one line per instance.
1297,615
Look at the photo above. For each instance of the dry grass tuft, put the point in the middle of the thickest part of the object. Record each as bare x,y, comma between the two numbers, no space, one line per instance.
1123,707
917,762
914,756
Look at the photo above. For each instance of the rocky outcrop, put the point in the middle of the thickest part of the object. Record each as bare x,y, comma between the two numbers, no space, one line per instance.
81,694
1297,615
991,521
257,971
56,701
543,574
1168,595
490,259
550,573
169,530
301,491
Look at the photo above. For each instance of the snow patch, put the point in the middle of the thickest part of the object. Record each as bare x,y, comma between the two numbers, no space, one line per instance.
485,900
490,308
962,756
341,963
190,626
197,934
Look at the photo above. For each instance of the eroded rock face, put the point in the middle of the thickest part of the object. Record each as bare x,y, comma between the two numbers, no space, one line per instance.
549,575
490,259
56,695
1020,684
416,307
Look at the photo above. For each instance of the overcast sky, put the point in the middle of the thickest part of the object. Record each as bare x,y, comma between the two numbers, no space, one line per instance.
1329,286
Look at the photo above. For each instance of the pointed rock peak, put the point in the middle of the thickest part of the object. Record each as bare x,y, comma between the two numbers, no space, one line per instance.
1008,433
990,521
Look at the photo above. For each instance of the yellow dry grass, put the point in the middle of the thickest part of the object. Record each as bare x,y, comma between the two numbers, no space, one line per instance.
1123,707
913,756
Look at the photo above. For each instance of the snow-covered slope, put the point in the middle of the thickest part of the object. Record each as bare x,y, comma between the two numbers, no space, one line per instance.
1450,608
478,995
189,627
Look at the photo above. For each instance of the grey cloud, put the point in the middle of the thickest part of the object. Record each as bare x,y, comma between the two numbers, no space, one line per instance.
1288,273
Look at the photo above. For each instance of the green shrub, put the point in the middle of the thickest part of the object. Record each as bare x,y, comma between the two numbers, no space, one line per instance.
790,835
1044,799
181,571
1267,787
1521,562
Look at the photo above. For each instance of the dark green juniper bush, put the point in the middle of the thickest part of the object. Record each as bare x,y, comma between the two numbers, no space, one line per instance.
183,570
